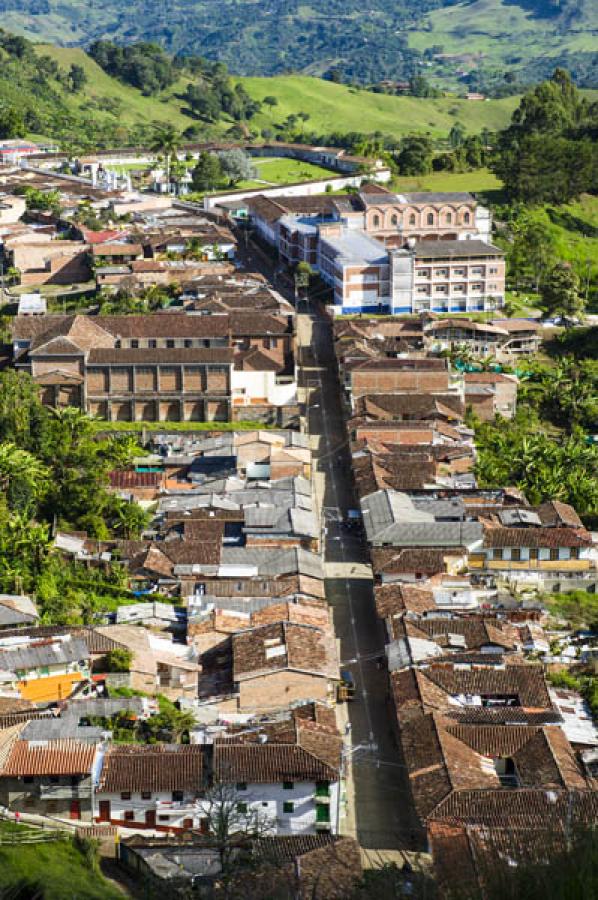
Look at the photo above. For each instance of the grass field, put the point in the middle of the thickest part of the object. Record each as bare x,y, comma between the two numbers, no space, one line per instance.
481,180
57,866
337,107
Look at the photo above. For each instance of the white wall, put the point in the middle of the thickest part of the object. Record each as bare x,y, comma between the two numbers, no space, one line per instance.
263,384
306,189
265,799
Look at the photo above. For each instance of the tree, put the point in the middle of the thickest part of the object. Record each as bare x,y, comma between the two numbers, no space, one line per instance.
77,78
560,292
118,660
415,156
171,724
21,411
23,478
270,101
457,135
129,519
43,200
207,174
232,821
166,140
237,166
12,123
204,102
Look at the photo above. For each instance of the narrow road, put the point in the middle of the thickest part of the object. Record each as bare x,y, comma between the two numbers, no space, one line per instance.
380,810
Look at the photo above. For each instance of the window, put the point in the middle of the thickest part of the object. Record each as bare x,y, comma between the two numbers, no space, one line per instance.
394,220
134,344
533,553
177,795
449,218
163,818
376,221
288,806
554,554
170,344
125,795
288,785
497,554
146,795
430,218
241,785
574,553
493,270
242,807
467,218
129,815
188,343
152,344
516,554
27,779
412,219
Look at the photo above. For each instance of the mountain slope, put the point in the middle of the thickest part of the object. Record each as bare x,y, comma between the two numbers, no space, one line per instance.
263,37
34,79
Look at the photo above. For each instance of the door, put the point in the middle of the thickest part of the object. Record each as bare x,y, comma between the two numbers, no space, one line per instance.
187,823
75,809
150,817
104,811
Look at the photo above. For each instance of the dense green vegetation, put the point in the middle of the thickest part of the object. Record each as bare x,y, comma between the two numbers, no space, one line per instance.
545,449
53,474
549,153
486,39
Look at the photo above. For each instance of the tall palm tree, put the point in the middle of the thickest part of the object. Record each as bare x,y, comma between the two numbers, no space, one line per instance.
22,476
166,140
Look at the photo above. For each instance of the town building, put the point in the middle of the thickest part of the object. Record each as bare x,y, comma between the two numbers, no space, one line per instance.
162,367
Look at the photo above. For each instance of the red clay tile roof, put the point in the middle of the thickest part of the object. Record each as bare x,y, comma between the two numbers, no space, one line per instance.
161,767
116,249
268,763
66,757
551,538
283,645
129,479
145,356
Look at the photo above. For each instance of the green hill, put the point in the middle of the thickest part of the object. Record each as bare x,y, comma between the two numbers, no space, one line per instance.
106,111
339,108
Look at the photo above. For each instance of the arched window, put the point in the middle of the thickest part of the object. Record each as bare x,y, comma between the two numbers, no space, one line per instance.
394,220
466,218
430,218
449,218
376,221
412,219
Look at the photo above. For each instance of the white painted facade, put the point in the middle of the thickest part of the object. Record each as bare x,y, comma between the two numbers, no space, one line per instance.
253,387
298,808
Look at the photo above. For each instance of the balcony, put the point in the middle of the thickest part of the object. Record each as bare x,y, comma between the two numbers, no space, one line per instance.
64,792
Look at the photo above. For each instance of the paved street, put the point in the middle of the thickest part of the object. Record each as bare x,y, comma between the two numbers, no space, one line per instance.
379,807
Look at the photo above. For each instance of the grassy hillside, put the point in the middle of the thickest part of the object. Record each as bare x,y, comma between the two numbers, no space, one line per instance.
57,866
490,33
129,104
108,112
336,107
